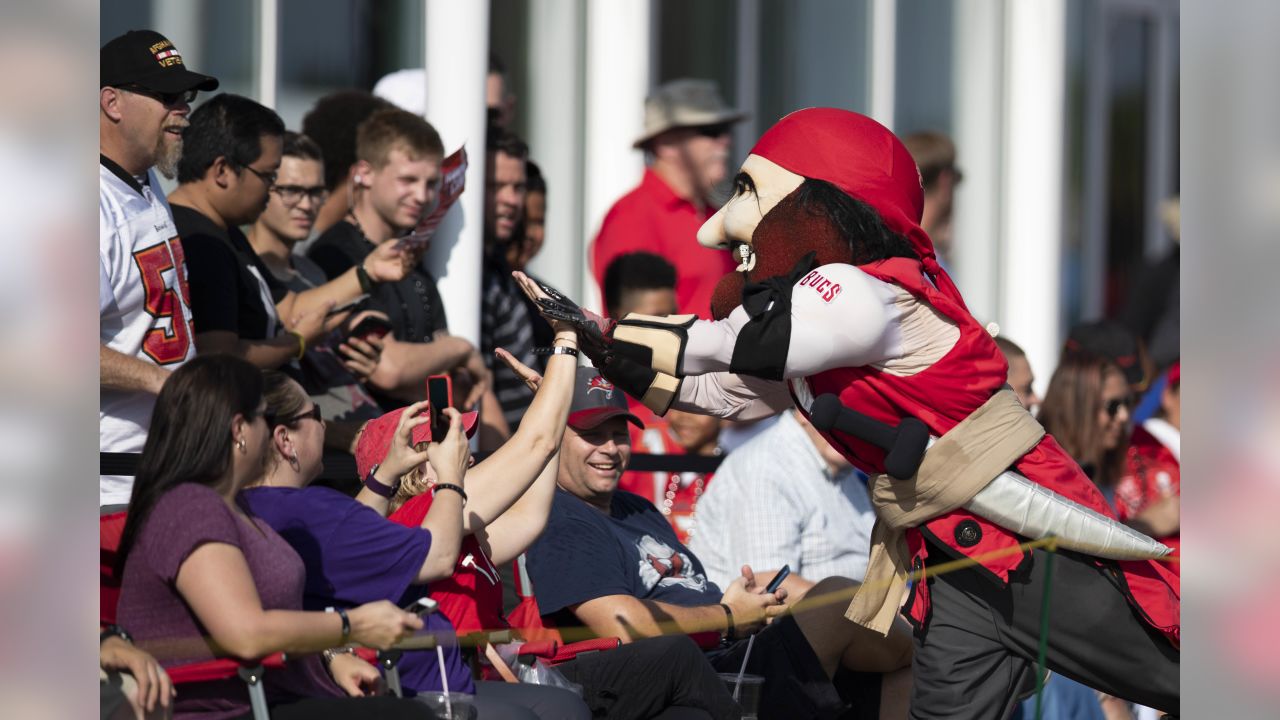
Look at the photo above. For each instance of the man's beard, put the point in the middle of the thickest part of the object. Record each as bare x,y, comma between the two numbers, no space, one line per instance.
168,153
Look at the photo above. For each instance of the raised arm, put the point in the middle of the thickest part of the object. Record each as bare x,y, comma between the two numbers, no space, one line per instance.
507,475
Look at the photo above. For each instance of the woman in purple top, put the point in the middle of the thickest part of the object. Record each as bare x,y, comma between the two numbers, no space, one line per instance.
203,579
353,554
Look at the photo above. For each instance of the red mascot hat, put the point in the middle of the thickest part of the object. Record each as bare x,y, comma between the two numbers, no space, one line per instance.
861,157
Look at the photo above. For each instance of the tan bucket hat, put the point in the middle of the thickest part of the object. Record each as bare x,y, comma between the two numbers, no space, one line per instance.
684,103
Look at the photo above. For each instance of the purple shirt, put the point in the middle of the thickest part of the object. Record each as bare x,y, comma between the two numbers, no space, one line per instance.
161,622
354,556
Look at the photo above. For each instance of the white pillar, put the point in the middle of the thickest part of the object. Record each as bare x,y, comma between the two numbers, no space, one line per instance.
554,105
268,51
457,61
976,77
883,64
617,80
1035,43
747,87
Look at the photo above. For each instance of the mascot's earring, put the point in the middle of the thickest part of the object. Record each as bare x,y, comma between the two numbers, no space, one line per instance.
747,258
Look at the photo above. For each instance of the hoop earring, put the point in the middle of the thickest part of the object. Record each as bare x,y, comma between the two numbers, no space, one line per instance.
293,461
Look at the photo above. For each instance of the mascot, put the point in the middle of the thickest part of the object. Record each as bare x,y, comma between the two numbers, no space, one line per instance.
839,307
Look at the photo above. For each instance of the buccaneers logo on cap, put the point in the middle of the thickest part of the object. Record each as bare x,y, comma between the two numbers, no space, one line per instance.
599,383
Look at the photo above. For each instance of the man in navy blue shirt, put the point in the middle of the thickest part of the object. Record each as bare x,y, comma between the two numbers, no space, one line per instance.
610,561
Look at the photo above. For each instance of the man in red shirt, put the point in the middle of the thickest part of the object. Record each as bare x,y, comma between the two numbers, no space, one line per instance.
686,139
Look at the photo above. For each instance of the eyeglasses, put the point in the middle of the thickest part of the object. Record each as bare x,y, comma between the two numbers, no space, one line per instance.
171,99
269,178
713,131
1113,406
313,413
291,195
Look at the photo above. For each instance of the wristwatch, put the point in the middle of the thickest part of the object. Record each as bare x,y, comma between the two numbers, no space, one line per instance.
372,483
114,631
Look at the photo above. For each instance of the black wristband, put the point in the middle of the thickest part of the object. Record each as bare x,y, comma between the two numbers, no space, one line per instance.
114,631
346,621
366,282
730,632
556,350
450,486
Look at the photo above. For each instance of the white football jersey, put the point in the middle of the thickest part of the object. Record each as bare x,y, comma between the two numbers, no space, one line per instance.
144,307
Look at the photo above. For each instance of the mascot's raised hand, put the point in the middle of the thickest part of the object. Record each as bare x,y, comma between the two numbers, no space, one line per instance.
641,354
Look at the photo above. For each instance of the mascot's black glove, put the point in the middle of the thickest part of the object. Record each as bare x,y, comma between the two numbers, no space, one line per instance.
593,330
640,355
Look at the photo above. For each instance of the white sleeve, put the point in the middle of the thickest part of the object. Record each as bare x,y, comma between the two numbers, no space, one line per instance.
732,397
840,317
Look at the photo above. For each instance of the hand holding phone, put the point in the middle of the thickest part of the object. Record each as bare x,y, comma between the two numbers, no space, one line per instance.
371,326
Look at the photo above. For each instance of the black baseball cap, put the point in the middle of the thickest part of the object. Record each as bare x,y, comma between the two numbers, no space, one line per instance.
147,59
596,400
1111,340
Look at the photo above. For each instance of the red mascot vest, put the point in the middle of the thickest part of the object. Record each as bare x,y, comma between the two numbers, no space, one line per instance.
942,396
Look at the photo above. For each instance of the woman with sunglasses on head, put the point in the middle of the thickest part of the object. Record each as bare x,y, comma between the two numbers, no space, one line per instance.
353,554
1086,408
203,578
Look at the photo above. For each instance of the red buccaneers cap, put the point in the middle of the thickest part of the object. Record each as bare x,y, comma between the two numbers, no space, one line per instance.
148,59
375,439
596,400
865,160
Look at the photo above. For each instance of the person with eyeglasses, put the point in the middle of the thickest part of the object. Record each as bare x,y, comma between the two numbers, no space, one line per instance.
145,327
686,140
233,154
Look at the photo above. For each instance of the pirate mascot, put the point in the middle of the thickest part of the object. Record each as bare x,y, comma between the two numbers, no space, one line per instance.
839,307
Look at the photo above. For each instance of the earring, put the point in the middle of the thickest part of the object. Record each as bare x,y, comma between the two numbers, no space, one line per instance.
240,444
293,461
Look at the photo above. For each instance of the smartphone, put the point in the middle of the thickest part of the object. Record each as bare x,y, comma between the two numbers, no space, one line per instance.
371,326
422,606
440,395
776,582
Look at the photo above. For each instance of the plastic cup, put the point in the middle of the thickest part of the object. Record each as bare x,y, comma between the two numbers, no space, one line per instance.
462,705
748,693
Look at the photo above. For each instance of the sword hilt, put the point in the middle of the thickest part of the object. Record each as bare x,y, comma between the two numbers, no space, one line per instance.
904,445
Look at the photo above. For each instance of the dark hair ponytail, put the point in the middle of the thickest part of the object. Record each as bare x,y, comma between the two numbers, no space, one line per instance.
189,440
857,223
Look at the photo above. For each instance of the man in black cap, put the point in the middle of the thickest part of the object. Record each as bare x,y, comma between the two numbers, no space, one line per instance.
608,560
145,320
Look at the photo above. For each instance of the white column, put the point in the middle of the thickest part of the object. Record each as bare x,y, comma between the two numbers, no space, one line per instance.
268,51
457,61
1035,41
617,80
747,83
884,40
554,105
976,77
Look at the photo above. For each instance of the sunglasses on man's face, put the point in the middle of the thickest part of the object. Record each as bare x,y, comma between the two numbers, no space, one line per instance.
714,131
172,99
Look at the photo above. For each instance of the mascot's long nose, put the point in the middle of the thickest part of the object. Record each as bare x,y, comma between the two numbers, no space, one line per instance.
711,234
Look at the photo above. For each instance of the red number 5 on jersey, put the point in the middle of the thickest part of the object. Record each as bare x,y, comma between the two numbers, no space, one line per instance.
161,344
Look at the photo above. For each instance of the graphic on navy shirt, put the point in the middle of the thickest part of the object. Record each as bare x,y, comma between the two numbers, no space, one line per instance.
659,565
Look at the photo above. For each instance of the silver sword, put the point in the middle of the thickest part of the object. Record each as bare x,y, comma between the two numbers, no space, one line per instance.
1010,500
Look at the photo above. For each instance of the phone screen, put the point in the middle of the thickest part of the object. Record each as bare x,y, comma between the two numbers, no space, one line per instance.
440,395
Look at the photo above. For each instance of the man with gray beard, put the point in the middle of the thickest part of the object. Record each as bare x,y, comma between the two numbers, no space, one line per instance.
145,330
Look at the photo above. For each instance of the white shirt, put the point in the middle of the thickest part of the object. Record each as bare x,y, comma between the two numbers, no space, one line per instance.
143,308
775,502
